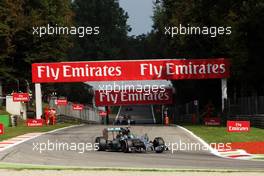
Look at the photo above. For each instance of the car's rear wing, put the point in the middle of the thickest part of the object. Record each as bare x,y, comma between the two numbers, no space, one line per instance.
114,129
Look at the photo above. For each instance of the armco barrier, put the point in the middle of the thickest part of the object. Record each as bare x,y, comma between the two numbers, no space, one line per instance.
258,121
87,114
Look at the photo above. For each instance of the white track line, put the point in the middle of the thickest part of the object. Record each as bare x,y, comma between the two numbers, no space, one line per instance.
211,149
27,137
24,139
215,152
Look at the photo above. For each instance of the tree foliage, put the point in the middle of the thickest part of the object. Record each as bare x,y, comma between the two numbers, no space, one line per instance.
19,47
243,46
112,22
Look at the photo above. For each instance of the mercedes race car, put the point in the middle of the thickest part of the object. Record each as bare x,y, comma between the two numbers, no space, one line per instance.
121,139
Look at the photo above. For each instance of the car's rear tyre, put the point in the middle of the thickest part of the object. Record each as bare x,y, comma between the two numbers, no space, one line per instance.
159,144
125,145
101,143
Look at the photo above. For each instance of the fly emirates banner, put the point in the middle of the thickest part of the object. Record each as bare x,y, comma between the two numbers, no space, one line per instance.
169,69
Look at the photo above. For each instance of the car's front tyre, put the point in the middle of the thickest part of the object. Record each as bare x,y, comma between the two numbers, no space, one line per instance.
159,144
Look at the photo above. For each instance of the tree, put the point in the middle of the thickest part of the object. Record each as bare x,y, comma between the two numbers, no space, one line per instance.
19,47
11,21
111,20
243,46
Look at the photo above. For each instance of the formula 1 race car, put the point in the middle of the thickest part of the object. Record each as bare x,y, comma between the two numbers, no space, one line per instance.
121,139
124,120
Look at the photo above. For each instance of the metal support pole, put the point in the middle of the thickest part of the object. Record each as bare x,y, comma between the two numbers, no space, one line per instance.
28,87
224,92
162,114
1,93
107,116
38,100
18,87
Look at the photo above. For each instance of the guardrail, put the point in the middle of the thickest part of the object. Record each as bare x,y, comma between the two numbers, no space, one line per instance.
88,114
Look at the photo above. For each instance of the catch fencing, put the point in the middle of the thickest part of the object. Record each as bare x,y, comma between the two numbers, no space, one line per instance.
88,114
247,105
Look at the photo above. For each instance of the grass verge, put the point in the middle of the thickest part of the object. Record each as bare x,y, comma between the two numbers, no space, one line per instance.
220,135
12,166
11,132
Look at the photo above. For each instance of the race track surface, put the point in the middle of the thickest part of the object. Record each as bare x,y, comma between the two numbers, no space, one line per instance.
25,153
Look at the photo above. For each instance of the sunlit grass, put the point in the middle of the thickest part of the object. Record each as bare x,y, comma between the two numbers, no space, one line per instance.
219,134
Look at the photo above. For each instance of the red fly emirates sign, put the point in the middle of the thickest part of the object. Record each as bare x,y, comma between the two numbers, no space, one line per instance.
34,122
130,70
117,98
1,129
238,126
20,97
61,102
78,107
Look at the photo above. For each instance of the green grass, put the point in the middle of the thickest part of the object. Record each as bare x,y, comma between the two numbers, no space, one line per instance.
220,135
20,167
11,132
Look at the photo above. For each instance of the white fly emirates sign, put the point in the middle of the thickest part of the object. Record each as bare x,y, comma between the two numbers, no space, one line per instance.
169,69
129,97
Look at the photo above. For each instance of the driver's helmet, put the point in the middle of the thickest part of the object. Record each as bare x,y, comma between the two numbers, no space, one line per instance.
125,131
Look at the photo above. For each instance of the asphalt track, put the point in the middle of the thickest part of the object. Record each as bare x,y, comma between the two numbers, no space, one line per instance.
181,159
